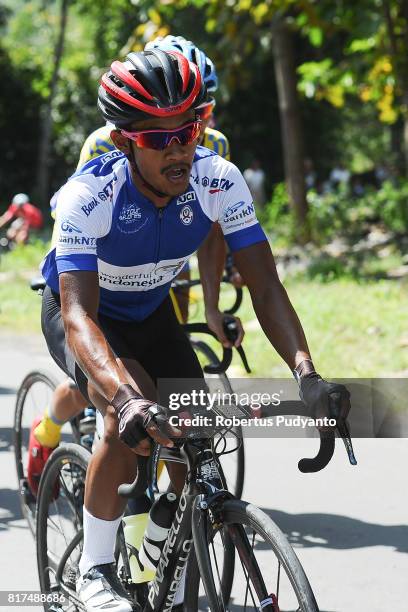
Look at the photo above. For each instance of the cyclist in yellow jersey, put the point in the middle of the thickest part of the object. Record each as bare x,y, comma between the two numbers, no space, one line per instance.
67,400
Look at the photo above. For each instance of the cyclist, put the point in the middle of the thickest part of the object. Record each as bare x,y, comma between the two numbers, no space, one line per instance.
25,216
67,400
127,223
100,142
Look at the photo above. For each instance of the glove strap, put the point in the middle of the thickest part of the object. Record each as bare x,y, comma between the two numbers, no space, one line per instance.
303,368
123,395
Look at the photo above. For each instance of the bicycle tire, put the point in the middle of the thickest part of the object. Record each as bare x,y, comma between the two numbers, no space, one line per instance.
27,501
235,516
61,457
238,485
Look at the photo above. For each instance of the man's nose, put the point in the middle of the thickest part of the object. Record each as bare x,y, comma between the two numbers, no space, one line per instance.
175,150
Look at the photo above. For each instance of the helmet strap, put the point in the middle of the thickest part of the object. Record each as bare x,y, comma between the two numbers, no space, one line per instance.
146,184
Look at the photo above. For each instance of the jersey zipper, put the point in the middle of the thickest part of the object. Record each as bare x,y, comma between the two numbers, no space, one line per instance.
159,229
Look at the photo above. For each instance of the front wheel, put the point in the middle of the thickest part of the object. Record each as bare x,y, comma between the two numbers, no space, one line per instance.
59,522
268,575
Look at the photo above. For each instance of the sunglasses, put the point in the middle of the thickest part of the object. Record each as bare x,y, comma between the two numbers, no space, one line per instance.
205,111
161,139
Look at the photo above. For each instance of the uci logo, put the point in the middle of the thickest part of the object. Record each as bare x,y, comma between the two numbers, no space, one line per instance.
186,215
187,197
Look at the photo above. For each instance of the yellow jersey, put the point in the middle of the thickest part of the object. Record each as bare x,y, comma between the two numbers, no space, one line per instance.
100,142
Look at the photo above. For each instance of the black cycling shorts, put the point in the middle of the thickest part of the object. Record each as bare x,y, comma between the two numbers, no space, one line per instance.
158,343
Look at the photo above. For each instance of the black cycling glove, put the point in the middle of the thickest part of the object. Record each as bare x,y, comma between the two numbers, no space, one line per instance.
325,399
135,414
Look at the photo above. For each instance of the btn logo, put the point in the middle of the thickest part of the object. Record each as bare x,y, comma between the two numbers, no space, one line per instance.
187,197
186,215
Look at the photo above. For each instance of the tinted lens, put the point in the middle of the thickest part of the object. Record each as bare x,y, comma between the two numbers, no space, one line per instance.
160,139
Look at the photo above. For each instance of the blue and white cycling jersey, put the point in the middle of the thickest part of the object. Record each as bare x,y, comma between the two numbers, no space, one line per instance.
105,224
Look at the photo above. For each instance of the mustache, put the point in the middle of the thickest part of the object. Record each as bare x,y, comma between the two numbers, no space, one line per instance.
183,165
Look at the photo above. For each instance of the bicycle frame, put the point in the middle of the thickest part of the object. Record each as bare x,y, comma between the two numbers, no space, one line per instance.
203,476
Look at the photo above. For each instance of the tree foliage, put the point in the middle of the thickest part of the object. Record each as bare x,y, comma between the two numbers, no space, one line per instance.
351,64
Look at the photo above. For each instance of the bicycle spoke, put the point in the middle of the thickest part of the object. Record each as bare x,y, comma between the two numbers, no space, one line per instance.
248,589
218,572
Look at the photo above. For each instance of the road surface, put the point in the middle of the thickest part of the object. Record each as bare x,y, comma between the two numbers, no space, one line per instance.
348,525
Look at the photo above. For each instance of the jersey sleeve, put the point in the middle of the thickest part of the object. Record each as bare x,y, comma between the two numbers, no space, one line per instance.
83,216
236,211
11,211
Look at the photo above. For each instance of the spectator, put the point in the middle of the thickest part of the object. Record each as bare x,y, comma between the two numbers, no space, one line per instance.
255,178
339,176
310,174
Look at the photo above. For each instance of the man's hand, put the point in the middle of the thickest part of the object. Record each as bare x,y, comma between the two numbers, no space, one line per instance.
216,320
325,399
140,418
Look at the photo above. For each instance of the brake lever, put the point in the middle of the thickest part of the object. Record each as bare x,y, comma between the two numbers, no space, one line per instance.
231,331
344,433
241,353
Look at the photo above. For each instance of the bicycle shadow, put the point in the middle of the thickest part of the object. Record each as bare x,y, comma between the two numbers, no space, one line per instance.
8,391
10,509
6,439
337,532
203,605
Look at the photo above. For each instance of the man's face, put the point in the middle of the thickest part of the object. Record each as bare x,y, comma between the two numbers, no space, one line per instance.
167,170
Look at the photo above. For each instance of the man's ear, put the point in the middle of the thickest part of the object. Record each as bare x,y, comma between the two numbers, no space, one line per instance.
120,142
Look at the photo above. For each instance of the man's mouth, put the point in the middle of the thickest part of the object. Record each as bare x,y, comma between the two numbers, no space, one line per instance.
177,174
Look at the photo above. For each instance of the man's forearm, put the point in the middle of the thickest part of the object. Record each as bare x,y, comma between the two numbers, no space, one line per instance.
281,324
211,260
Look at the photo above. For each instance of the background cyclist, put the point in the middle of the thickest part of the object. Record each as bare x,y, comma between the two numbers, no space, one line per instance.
24,216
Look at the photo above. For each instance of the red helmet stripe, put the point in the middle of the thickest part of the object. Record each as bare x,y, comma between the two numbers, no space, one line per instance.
184,66
123,73
120,94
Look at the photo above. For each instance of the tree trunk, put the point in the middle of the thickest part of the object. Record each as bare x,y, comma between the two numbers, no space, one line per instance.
43,172
397,43
291,125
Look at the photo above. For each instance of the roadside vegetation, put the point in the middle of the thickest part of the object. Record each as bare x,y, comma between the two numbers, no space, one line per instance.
354,321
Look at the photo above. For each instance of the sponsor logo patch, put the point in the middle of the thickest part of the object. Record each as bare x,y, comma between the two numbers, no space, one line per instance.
69,227
214,184
186,215
170,268
130,213
186,197
220,185
111,155
131,219
77,241
105,194
237,212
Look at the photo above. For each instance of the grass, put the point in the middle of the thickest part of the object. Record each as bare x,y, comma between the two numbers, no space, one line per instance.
355,327
19,306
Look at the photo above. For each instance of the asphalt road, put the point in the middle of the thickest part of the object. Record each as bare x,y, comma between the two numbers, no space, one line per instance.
348,525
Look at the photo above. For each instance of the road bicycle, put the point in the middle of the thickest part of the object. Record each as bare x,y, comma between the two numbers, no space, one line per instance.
235,558
36,390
